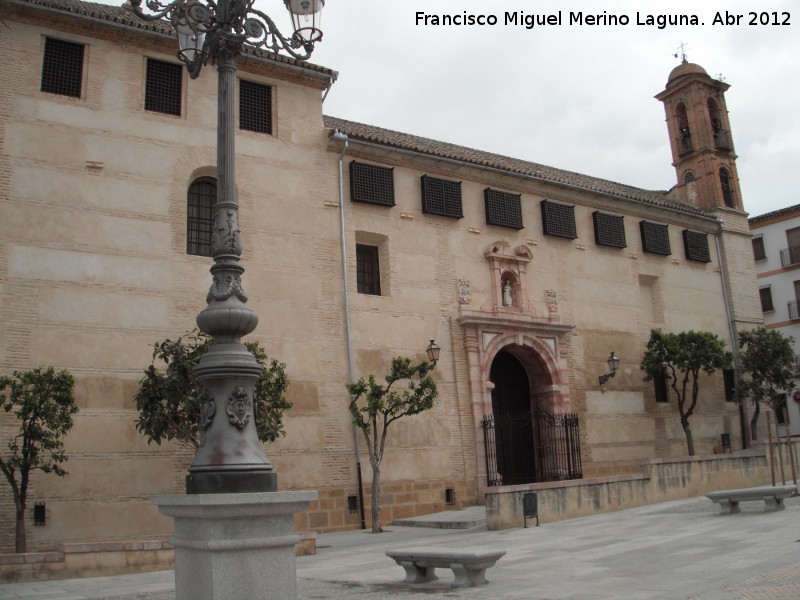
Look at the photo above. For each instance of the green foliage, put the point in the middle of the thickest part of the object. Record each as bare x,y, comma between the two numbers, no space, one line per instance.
768,363
168,398
44,403
682,357
374,407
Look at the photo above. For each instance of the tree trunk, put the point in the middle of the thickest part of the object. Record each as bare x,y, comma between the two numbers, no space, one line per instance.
376,499
689,438
20,542
754,421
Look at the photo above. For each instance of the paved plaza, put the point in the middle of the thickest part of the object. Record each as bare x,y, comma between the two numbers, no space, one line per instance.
682,550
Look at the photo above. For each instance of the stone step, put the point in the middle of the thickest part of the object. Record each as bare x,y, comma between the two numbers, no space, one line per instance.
464,518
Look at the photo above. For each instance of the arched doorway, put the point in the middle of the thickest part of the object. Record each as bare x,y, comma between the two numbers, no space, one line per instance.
513,421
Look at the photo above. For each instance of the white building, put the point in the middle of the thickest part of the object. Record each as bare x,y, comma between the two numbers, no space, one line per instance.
776,249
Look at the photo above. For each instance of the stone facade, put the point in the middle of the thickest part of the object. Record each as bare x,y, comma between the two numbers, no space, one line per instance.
94,270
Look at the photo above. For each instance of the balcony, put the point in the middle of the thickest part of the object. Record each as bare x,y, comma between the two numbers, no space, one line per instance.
790,256
685,143
794,312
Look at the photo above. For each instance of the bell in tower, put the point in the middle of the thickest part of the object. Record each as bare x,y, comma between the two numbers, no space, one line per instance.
700,138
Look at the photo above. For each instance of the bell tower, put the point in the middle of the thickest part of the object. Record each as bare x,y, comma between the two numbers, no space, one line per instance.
700,137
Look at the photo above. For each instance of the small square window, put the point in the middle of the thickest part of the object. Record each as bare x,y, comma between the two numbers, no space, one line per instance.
368,270
655,238
441,197
62,68
558,220
503,208
371,184
696,246
162,92
255,107
609,230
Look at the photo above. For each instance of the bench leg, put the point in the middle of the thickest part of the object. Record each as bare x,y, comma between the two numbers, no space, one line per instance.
416,574
772,503
728,507
468,577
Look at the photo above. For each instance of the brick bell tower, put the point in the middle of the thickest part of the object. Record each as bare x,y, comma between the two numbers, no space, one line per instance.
700,137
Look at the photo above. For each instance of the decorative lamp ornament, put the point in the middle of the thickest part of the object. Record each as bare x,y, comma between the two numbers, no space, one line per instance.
613,365
433,353
306,18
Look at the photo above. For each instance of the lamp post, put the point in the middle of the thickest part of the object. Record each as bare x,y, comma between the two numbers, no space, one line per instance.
233,533
230,458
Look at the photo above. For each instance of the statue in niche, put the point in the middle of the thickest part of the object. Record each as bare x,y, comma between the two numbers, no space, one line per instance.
507,299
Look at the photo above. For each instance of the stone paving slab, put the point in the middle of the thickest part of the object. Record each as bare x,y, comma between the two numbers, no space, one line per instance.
683,550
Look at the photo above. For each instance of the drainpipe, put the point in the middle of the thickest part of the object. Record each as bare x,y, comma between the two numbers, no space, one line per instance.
732,329
339,136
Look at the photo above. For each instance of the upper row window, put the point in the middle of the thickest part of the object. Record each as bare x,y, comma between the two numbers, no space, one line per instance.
558,220
62,73
655,238
62,68
609,230
503,208
441,197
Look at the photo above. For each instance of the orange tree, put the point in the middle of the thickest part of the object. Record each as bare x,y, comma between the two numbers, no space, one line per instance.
374,407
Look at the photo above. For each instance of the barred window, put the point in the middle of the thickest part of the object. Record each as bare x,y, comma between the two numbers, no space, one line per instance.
696,246
255,107
558,220
368,271
371,184
62,68
201,199
655,238
765,294
759,252
162,92
729,383
660,387
503,208
609,230
441,197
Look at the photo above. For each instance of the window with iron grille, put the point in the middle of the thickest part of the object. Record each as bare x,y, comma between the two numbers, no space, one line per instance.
162,91
368,270
503,208
655,238
729,383
696,246
441,197
199,216
62,68
255,107
558,220
765,294
759,252
660,387
609,230
371,184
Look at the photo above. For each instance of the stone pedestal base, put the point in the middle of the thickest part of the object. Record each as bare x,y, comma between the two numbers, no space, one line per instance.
235,545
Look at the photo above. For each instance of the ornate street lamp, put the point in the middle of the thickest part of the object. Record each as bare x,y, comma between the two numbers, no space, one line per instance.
433,351
613,365
230,457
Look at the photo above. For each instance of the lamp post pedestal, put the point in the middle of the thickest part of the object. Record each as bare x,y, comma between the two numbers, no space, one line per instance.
235,545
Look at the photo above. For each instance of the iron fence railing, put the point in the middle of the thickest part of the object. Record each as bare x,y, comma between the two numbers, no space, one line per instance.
529,448
790,256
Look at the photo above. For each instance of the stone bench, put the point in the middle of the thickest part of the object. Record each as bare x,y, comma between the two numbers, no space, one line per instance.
468,564
773,497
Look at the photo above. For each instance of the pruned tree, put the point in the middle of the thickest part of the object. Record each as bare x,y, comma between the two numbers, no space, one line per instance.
681,358
767,365
168,398
375,407
43,402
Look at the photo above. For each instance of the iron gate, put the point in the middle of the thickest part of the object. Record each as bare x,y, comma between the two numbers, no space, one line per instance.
529,448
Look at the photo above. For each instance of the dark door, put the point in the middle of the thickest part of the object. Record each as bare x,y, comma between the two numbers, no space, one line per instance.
511,406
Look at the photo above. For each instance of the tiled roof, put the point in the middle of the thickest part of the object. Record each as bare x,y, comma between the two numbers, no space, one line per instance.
775,213
123,16
412,143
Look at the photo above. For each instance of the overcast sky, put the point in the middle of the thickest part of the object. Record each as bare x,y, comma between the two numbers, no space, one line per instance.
570,96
